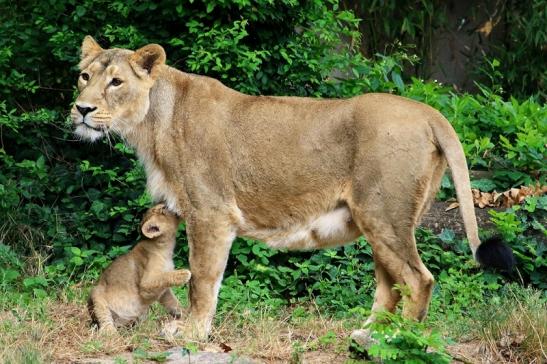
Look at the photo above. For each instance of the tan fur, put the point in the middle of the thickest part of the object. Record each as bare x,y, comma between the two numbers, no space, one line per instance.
134,281
297,173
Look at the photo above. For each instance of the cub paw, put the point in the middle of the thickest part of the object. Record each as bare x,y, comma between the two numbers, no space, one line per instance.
108,330
182,276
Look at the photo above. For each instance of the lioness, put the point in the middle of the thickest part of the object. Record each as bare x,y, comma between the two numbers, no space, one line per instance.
135,280
297,173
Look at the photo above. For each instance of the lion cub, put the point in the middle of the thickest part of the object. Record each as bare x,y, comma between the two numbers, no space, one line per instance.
135,280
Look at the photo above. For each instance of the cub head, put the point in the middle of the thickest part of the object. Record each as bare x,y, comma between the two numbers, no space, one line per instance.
158,221
114,87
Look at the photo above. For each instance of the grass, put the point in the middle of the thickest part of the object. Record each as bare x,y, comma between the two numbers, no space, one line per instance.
58,330
511,328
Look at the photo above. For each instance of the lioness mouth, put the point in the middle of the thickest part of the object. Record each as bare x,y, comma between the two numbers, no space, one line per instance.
96,128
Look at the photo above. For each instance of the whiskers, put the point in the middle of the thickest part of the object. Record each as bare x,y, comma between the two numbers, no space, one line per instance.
106,132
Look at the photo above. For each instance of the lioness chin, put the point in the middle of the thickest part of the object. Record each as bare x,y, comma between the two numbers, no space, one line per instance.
297,173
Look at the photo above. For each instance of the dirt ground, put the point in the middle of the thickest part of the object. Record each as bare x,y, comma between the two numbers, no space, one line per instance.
437,218
66,337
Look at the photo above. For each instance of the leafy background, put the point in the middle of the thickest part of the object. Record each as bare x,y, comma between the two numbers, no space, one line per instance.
68,208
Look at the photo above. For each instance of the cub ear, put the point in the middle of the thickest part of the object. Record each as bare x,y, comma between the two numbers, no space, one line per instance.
90,47
152,228
147,61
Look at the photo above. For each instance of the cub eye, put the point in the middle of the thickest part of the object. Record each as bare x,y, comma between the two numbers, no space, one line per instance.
84,76
116,82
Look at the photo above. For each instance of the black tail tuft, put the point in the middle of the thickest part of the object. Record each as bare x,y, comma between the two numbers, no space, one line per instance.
494,253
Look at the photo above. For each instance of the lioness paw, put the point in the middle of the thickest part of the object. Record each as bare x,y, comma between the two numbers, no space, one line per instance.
361,341
182,329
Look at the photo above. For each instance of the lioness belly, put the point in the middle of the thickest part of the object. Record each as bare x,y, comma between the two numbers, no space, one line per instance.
332,228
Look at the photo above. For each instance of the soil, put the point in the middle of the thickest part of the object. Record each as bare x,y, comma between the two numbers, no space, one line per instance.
437,218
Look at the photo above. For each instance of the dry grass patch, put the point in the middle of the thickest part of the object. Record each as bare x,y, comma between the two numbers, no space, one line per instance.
60,332
507,329
280,337
518,332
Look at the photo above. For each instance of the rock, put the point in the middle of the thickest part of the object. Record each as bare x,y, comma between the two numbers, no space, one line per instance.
178,356
175,356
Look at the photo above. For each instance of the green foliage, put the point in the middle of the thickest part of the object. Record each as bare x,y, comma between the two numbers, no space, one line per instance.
339,279
523,226
409,22
514,61
521,58
506,136
77,206
397,340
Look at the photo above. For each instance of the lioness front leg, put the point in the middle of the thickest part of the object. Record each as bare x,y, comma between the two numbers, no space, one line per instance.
210,241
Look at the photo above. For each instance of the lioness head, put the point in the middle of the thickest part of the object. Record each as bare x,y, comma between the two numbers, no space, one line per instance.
114,87
159,221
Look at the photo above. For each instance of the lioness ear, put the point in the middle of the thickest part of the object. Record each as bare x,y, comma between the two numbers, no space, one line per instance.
90,47
152,228
147,61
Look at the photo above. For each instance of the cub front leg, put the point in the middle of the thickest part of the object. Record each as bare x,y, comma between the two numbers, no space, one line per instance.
153,281
210,241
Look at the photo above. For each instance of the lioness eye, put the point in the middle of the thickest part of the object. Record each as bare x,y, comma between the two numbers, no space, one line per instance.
84,76
116,82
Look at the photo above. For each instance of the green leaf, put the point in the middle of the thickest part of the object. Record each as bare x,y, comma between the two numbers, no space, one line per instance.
75,251
447,235
9,275
483,184
397,80
80,11
211,6
35,281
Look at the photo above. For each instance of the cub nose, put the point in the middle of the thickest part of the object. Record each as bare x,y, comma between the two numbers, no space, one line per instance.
85,109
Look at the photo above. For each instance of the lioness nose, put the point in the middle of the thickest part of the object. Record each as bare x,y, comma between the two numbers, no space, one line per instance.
85,109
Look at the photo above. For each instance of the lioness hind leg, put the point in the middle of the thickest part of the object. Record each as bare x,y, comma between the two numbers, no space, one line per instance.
389,193
385,297
397,262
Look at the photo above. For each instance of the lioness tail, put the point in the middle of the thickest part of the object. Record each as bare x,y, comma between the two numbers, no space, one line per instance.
493,252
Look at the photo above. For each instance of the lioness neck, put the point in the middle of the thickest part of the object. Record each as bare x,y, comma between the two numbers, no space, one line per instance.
157,135
163,96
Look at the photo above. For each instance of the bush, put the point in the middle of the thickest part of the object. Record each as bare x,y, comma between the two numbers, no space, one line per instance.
76,202
521,57
505,136
396,340
523,226
77,206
